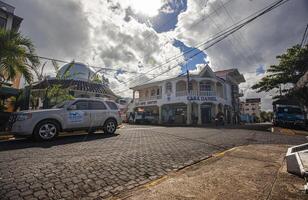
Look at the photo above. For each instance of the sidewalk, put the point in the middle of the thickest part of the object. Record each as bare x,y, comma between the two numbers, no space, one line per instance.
247,172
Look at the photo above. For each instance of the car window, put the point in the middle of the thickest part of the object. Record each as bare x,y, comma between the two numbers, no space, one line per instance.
112,105
97,105
82,105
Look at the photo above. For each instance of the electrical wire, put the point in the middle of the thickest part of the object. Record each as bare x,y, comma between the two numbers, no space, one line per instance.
228,31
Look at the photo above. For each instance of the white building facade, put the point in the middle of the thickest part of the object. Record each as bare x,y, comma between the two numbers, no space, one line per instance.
251,106
8,20
193,99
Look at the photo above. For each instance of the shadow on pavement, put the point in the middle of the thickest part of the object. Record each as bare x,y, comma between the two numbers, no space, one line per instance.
256,127
61,140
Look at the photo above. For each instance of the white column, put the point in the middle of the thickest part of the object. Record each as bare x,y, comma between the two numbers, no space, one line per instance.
188,120
199,114
215,110
9,23
215,89
159,115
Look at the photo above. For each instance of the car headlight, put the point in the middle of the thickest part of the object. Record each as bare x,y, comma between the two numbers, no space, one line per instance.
22,117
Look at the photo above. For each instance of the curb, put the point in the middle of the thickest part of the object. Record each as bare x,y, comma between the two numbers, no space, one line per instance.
152,183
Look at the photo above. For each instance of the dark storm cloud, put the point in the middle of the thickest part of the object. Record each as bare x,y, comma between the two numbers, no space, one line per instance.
256,44
261,41
58,28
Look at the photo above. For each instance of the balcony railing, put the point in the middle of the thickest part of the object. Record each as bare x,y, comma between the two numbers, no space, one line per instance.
195,93
150,98
208,93
181,93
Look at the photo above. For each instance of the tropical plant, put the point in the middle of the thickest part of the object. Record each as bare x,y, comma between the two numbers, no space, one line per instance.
291,67
17,56
56,93
266,116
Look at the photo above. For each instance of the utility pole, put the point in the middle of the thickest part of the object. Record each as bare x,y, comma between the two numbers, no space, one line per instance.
188,82
189,109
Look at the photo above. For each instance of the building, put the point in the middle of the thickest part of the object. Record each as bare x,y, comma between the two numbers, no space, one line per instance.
8,89
250,110
175,101
77,79
8,19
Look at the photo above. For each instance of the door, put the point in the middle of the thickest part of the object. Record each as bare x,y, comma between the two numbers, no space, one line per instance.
206,114
99,113
80,117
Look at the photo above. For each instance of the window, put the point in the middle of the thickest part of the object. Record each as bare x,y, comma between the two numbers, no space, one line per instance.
2,22
205,87
112,105
168,87
97,105
152,92
157,92
81,105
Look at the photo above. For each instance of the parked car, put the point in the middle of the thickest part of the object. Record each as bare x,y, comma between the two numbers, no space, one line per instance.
78,114
289,115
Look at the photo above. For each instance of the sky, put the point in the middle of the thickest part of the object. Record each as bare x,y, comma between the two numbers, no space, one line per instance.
137,35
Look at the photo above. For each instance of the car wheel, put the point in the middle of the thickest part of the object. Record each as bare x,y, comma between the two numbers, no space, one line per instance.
46,130
110,126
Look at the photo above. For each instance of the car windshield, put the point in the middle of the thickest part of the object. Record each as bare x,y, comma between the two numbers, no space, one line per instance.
62,105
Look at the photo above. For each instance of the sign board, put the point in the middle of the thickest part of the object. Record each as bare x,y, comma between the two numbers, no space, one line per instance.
201,98
75,116
145,103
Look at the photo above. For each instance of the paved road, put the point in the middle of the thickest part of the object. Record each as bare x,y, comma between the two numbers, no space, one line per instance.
97,166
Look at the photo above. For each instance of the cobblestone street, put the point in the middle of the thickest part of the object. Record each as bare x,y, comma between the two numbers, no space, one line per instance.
99,166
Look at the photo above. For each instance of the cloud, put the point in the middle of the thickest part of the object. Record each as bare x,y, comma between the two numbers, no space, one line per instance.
57,28
117,35
256,44
100,33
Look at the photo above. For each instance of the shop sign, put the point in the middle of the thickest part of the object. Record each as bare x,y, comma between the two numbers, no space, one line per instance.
201,98
146,103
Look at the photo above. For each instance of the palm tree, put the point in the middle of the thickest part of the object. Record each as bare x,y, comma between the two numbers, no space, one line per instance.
17,56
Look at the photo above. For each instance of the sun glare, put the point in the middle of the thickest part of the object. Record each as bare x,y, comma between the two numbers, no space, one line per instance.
146,7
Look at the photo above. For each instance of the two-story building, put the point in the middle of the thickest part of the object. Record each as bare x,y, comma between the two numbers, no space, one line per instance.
193,99
8,20
250,110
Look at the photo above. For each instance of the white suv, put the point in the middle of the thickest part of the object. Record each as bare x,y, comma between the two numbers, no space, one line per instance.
77,114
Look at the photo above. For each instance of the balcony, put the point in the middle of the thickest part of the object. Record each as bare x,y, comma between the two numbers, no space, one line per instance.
195,93
208,93
150,98
180,93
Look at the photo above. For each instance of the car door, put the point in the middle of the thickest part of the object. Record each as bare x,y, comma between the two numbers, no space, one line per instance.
99,113
80,117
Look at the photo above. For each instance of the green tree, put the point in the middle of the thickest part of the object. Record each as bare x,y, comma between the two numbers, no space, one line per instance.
17,56
57,93
291,67
263,116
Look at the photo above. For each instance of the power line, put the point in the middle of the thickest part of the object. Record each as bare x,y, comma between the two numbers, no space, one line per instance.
228,31
211,38
193,24
95,67
304,36
242,38
168,60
